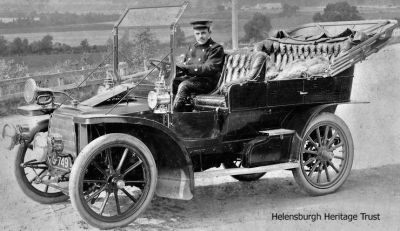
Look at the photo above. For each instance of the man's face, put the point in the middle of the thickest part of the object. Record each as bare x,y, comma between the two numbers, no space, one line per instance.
202,35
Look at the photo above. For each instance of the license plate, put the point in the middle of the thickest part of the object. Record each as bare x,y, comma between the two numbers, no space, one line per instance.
63,162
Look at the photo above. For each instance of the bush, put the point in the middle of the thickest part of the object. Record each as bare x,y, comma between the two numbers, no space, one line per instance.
9,69
257,28
341,11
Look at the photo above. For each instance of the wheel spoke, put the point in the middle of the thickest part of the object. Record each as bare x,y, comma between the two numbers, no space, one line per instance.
326,135
110,161
309,161
319,173
129,195
132,167
332,139
313,168
117,200
94,181
336,146
46,189
333,166
104,203
319,136
37,175
135,181
95,194
311,152
338,157
327,173
121,162
96,165
312,141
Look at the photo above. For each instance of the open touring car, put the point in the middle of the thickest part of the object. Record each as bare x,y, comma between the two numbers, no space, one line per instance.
111,153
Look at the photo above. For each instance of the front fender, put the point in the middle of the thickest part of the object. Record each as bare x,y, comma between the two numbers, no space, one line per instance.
175,169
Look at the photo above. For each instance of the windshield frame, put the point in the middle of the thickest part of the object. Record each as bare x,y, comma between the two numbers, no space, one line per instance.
172,27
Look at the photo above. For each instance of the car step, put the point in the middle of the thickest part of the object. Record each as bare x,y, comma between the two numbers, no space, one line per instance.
241,171
277,132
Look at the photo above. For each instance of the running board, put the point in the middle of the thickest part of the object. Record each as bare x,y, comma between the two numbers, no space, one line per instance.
277,132
241,171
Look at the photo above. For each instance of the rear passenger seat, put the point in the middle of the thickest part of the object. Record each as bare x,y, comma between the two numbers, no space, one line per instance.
257,64
283,54
239,66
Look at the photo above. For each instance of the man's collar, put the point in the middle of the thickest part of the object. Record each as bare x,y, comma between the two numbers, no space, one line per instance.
209,41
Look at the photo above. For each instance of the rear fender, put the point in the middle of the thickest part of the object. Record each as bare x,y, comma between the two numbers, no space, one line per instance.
174,165
298,120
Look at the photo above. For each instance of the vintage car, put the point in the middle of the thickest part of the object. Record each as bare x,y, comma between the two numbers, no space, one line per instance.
111,153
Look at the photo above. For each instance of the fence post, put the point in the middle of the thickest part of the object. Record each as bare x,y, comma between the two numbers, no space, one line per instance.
60,81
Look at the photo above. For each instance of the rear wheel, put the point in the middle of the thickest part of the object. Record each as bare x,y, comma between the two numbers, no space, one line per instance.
326,155
31,170
244,177
113,180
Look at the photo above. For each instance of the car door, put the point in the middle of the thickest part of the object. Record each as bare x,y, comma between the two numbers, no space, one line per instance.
285,92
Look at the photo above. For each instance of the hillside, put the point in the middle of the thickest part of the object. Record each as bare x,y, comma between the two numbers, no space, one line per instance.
114,6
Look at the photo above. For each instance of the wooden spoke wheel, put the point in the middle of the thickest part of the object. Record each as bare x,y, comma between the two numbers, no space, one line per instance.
113,180
326,155
31,170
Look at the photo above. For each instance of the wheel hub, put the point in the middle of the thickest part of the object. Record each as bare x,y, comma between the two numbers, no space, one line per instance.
325,154
116,181
120,184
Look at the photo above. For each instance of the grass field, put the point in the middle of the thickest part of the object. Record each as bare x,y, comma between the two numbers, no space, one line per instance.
54,63
98,33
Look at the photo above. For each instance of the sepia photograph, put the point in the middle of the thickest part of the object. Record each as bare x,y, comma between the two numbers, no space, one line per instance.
199,115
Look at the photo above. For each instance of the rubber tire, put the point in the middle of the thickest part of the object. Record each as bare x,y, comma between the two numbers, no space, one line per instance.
298,173
26,187
244,177
81,161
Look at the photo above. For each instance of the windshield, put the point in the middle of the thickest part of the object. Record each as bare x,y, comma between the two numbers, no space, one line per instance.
145,34
150,17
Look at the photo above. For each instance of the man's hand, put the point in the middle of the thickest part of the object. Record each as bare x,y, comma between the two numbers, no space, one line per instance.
181,69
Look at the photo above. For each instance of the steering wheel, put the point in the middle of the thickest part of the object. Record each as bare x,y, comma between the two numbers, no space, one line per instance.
161,64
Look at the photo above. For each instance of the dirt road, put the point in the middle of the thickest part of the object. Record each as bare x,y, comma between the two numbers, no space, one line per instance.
224,204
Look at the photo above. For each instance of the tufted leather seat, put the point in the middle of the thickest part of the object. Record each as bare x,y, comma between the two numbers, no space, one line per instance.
283,54
277,50
239,66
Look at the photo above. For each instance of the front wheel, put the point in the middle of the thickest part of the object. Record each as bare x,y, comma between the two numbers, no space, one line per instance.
113,180
325,155
31,170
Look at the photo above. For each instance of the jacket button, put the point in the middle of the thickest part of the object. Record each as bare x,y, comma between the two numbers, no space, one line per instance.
202,50
195,69
199,59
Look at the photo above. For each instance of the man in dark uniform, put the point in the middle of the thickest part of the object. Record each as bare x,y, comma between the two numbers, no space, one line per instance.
201,66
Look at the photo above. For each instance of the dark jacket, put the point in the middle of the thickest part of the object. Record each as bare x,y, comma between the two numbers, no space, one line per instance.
204,60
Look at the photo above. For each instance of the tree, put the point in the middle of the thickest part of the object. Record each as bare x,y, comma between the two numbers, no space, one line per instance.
35,47
25,46
16,46
85,45
340,11
144,46
46,44
256,28
3,46
180,37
